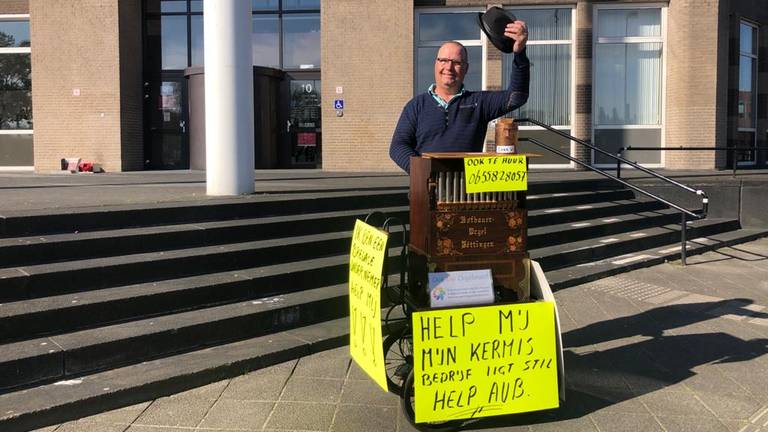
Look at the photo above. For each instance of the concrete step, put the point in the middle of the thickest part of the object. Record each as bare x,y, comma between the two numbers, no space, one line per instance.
591,271
30,250
564,199
23,319
55,403
72,354
580,212
81,275
581,230
38,222
568,254
63,313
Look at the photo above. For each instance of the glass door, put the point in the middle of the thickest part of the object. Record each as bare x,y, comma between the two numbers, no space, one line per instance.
166,117
303,128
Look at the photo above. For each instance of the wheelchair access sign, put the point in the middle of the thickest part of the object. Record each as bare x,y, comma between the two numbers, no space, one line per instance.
338,104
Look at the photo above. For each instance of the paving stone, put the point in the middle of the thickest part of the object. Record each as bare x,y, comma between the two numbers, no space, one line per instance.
710,381
175,412
731,406
702,423
327,364
305,389
142,428
237,414
738,426
210,391
91,426
46,429
354,418
648,381
119,416
583,424
367,392
673,403
301,415
356,372
263,384
626,422
607,402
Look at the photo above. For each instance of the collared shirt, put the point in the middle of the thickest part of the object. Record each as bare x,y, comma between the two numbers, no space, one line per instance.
429,124
440,100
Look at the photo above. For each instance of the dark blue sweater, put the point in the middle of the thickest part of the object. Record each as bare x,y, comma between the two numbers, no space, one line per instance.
425,126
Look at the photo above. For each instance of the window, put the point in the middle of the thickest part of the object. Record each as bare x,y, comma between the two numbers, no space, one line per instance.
265,40
173,41
747,99
301,41
15,92
550,51
285,34
627,82
435,28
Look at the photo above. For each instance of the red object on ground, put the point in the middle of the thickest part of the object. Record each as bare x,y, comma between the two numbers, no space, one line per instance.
85,167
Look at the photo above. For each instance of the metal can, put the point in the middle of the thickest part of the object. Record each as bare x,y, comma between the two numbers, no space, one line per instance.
506,136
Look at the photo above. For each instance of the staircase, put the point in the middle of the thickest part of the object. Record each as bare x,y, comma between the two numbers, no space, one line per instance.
104,307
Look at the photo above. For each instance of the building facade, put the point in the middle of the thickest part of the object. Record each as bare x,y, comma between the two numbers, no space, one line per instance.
104,80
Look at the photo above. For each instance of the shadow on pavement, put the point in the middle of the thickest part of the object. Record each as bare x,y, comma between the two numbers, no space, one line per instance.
596,379
753,256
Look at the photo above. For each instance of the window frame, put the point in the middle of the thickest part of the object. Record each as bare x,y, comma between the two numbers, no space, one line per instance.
479,42
16,50
755,81
662,39
572,90
279,12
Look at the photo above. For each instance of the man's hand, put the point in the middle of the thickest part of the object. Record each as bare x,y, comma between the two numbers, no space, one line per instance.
519,32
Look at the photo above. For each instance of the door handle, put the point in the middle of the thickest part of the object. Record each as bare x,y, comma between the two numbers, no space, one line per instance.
288,126
183,126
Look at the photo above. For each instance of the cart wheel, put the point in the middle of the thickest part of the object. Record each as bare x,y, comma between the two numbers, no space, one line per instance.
398,358
408,400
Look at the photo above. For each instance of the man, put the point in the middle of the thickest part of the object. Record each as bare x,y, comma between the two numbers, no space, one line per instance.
449,118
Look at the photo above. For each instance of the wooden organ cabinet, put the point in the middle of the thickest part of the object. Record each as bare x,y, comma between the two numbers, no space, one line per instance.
453,230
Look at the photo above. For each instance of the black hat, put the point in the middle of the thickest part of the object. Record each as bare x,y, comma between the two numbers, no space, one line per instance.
493,22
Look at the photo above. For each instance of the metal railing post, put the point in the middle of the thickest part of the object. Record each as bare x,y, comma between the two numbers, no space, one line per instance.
618,162
683,251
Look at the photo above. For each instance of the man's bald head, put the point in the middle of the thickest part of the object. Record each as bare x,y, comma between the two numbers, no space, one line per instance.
464,53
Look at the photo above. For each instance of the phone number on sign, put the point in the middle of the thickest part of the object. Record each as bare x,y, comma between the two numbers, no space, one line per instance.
496,176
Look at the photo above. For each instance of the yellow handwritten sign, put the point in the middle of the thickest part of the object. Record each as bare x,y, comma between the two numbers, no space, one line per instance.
484,361
366,260
496,173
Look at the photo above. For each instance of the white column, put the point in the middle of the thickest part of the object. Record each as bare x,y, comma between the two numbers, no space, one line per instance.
228,97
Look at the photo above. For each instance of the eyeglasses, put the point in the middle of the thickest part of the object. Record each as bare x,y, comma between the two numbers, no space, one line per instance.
450,62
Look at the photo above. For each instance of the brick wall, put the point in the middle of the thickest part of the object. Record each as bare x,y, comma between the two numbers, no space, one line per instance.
75,48
367,48
14,6
692,113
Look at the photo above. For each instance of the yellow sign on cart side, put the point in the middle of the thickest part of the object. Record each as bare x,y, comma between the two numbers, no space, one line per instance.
484,361
507,173
366,261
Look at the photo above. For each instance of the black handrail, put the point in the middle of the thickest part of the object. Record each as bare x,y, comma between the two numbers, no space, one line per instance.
683,211
733,150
